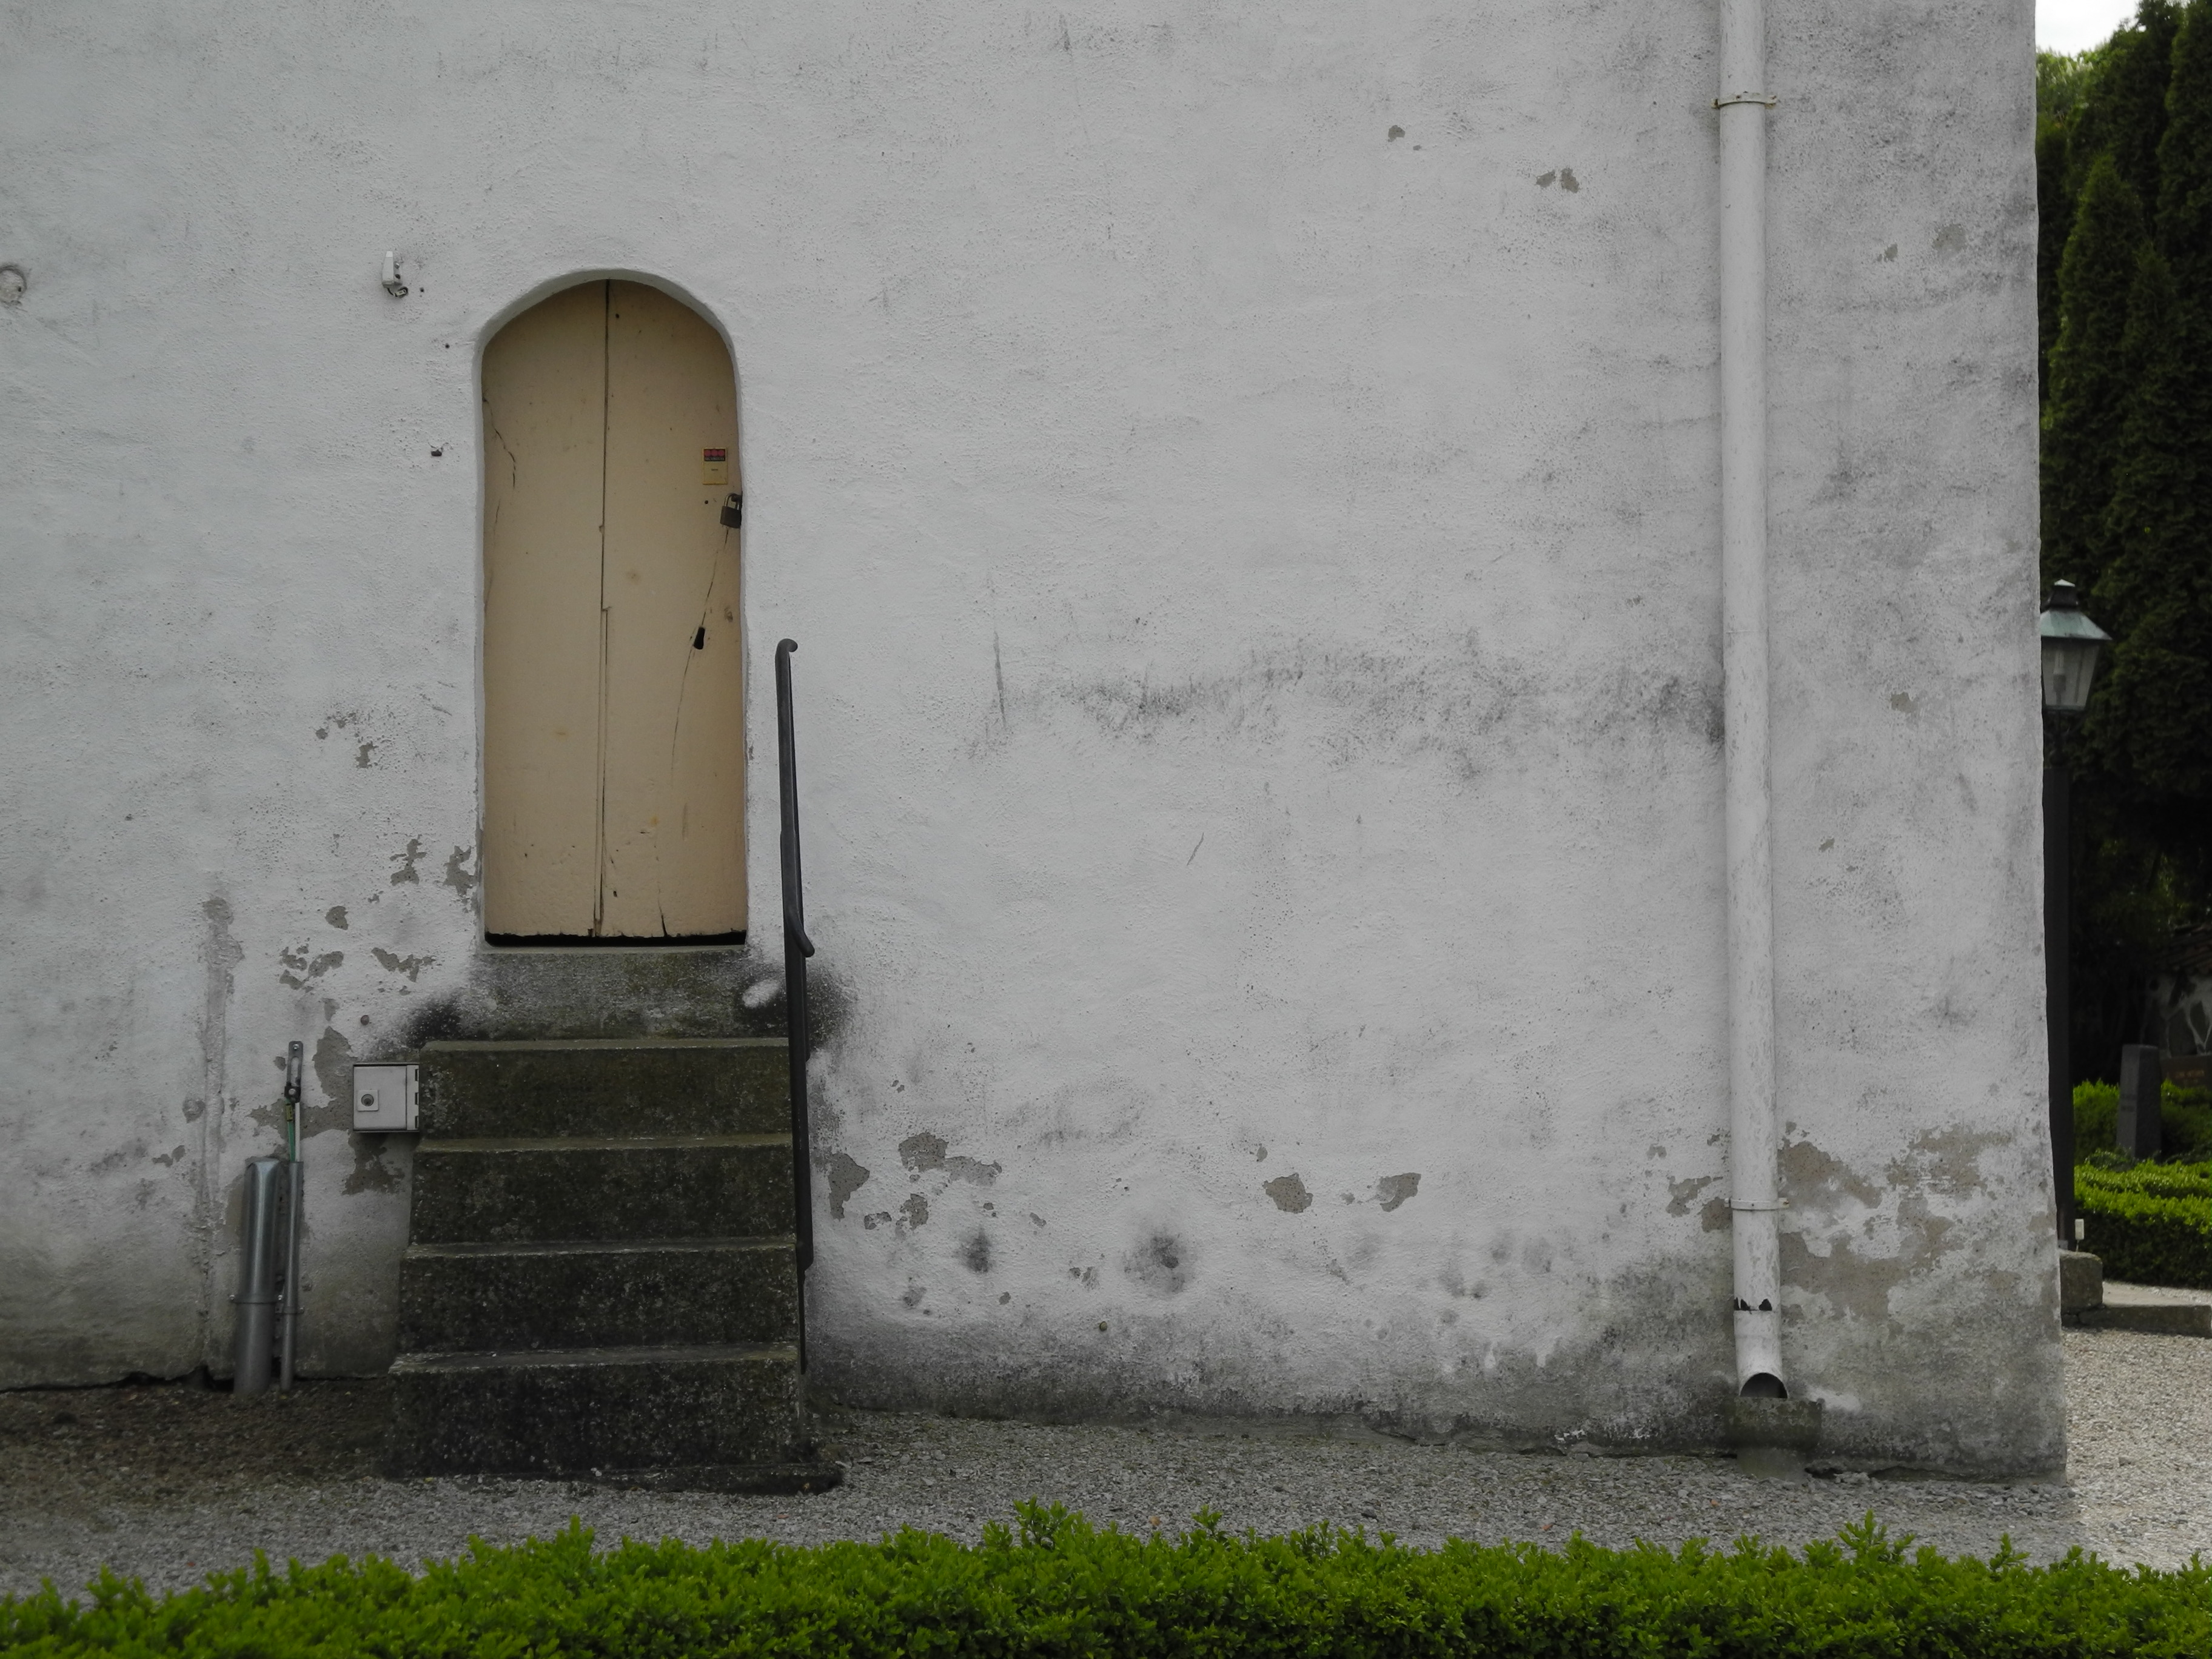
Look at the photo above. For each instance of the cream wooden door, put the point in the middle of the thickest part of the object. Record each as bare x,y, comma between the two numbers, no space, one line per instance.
614,735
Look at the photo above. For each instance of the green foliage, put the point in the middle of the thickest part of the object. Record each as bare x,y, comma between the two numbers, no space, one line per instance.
1053,1585
2185,1124
2149,726
2089,383
2151,1225
2119,99
2124,181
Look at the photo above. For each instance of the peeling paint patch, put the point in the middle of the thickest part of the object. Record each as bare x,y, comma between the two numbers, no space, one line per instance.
1715,1217
1947,1160
848,1175
1680,1194
392,964
1811,1178
333,1066
1289,1193
975,1254
336,915
371,1174
461,874
407,861
1857,1284
303,970
925,1152
1394,1190
914,1212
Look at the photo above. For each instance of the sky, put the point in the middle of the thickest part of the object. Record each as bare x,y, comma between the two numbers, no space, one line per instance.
2072,25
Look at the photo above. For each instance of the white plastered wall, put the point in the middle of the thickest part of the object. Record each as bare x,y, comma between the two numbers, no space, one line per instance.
1257,588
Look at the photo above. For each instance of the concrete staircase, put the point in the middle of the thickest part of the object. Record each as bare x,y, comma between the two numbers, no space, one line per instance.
600,1280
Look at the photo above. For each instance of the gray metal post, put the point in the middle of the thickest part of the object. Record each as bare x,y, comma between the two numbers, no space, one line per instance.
2058,1000
294,1195
260,1243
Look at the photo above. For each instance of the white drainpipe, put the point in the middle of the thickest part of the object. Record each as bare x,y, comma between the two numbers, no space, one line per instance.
1754,1199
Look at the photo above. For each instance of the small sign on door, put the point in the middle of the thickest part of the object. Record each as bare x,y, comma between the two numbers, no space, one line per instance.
715,466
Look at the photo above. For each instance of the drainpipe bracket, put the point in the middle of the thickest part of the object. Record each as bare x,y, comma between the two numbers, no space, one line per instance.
1765,99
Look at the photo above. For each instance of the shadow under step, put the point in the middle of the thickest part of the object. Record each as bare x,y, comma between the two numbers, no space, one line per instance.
596,1294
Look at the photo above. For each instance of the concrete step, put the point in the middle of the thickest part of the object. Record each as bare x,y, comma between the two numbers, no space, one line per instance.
509,1297
2153,1318
577,1190
621,1086
600,1412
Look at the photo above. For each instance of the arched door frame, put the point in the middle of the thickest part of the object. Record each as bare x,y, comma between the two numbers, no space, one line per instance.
487,331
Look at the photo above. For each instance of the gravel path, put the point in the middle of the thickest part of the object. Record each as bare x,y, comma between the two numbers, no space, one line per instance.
168,1483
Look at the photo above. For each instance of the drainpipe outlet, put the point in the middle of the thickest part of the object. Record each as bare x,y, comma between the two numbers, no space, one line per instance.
1773,1437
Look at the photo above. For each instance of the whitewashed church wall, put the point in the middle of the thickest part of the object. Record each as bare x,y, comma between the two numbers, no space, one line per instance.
1244,479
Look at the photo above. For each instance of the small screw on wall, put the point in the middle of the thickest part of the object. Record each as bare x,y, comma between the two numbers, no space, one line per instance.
392,285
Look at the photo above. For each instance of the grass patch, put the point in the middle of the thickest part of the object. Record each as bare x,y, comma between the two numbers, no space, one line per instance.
1053,1585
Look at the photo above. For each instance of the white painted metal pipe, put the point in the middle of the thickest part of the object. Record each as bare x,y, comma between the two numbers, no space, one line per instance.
1742,104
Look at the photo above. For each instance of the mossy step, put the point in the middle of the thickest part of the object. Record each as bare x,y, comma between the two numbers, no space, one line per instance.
577,1190
607,1086
509,1297
598,1411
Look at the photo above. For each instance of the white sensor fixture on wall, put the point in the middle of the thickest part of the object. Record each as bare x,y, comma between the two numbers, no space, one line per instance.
392,285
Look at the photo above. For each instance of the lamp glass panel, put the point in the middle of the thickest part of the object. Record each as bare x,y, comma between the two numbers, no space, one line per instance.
2068,666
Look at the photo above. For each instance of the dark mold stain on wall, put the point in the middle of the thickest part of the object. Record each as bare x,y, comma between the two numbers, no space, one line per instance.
975,1252
1451,697
1162,1264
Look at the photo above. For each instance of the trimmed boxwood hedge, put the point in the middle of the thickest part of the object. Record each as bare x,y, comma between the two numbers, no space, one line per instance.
2150,1224
1055,1586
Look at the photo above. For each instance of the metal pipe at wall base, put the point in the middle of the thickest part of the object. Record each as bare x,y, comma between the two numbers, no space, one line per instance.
254,1349
288,1345
1754,1202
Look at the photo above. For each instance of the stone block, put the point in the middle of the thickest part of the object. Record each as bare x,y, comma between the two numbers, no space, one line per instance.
2081,1281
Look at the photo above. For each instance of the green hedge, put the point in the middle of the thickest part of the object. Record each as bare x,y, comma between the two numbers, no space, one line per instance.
2184,1121
2151,1225
1055,1586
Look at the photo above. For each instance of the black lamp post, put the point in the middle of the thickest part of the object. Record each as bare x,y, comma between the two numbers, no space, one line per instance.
2071,643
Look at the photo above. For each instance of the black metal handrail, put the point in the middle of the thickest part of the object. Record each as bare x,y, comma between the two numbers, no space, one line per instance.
797,947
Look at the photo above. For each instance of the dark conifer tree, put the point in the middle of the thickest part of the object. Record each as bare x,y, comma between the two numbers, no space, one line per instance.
2152,723
2083,418
2122,107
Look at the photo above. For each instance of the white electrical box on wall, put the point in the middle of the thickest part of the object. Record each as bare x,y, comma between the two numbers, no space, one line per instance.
384,1097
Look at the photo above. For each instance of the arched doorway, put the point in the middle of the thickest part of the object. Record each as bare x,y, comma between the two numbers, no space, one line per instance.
614,733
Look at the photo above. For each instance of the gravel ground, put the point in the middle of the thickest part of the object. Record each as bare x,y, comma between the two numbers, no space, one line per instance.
167,1482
